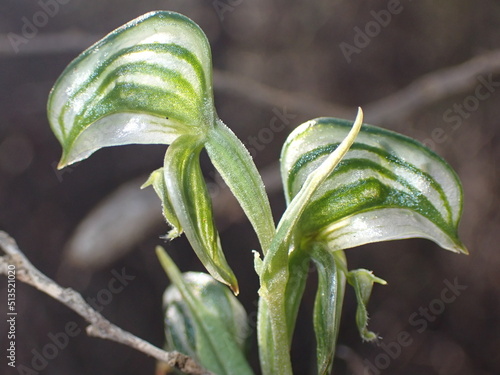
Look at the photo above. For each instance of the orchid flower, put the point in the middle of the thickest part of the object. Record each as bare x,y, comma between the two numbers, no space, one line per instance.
150,82
348,185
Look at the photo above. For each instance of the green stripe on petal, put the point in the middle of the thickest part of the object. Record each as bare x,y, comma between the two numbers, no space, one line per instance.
387,187
148,81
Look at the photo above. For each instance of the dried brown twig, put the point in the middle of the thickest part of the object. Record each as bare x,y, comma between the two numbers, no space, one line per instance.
98,325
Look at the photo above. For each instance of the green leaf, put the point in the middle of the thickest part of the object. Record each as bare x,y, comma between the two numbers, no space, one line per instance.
157,180
148,81
387,187
236,167
362,280
204,320
328,303
188,194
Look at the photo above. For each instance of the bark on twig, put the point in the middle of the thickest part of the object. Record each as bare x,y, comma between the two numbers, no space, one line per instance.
98,325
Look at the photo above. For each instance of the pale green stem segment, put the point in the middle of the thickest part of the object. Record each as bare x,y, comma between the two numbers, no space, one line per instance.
275,273
216,347
267,355
235,165
188,194
299,268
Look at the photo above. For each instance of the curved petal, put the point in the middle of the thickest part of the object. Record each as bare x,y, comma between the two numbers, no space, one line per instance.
387,187
192,206
146,82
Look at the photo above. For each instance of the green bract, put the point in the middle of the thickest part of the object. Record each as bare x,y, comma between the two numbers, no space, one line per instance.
150,81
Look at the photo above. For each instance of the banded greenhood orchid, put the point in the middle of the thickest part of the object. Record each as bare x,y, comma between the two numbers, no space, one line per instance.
147,82
386,187
150,81
277,272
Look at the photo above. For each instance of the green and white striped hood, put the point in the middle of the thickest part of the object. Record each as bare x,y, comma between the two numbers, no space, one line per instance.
148,81
387,187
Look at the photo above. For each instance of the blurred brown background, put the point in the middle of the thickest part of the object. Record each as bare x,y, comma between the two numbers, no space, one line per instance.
304,58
